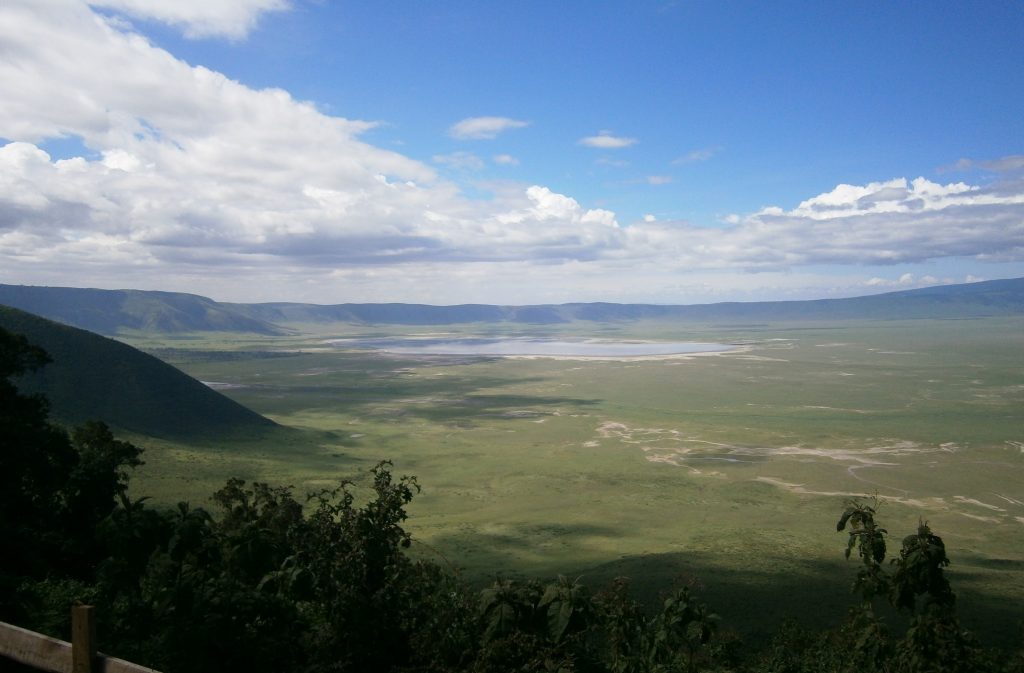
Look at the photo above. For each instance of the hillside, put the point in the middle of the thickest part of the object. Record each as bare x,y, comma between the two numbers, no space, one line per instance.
109,311
93,377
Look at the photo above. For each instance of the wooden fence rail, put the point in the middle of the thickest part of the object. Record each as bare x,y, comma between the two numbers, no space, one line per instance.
57,656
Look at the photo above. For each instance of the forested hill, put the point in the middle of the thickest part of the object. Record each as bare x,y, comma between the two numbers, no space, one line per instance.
95,378
108,311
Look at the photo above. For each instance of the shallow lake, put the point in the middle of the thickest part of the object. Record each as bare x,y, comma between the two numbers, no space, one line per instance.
531,347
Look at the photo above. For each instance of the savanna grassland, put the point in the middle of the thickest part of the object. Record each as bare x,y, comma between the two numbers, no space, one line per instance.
727,471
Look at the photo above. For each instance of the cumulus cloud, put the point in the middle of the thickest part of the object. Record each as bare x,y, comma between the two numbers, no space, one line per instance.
606,141
889,222
908,281
233,19
484,128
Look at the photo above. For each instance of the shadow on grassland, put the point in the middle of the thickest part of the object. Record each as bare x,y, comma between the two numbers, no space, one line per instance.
816,594
754,602
450,398
465,409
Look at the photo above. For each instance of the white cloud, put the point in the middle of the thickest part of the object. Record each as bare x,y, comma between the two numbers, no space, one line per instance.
121,160
551,226
880,223
893,196
505,160
199,18
696,156
907,281
606,141
484,128
659,179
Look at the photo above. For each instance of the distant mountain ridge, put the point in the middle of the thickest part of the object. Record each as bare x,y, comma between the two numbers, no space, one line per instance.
92,377
110,311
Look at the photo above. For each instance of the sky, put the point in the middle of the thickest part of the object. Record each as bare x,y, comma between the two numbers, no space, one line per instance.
524,152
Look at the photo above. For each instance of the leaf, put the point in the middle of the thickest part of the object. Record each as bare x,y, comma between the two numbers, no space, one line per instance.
488,598
878,549
502,621
559,616
843,519
550,594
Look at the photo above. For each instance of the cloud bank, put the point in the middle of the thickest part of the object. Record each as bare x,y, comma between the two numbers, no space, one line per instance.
196,182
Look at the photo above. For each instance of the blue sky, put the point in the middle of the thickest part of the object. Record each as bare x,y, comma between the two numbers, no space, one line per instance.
670,152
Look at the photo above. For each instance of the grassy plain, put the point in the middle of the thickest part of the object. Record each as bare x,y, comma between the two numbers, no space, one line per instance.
724,470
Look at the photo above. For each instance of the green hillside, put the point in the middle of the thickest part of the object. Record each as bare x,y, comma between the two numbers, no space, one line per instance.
93,377
109,311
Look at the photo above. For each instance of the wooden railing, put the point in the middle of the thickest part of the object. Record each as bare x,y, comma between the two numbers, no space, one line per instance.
57,656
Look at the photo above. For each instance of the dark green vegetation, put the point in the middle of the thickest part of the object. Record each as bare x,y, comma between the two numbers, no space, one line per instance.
111,311
94,377
53,488
271,583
